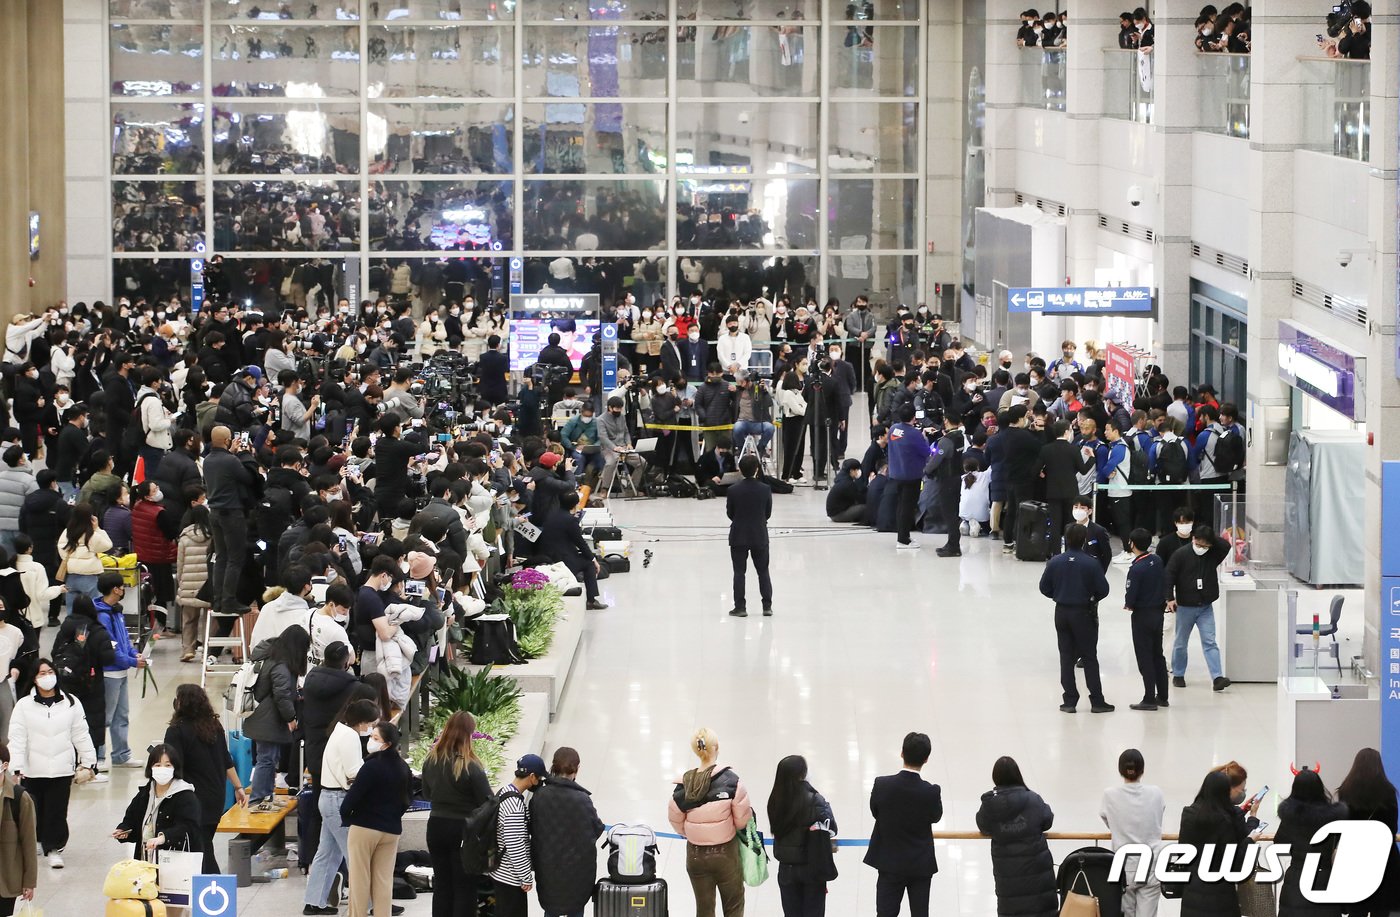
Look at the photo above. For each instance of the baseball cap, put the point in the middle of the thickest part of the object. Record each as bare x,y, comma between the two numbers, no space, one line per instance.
531,764
549,459
253,371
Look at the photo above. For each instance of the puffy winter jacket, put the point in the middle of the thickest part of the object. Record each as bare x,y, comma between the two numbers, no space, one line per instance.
49,738
564,827
276,694
1016,820
148,538
1297,823
83,558
709,805
15,484
178,817
192,566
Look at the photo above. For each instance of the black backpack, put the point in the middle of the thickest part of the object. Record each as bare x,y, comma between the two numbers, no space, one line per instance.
71,663
134,437
1172,467
1137,462
480,852
274,513
1228,452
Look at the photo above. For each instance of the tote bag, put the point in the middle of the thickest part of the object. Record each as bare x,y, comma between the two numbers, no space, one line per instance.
753,859
177,869
1080,904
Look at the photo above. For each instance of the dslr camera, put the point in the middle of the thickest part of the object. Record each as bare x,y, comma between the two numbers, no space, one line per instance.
1339,17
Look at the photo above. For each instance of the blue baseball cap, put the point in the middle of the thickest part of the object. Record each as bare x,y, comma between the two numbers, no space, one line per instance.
253,371
531,764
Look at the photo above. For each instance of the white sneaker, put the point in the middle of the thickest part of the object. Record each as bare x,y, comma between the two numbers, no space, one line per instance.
100,777
1124,558
911,546
56,860
281,782
963,528
800,482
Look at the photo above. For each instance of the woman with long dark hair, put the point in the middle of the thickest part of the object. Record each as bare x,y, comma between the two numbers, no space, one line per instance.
1214,818
802,824
273,724
1307,808
340,764
197,735
373,808
792,407
1368,793
1016,819
79,551
456,783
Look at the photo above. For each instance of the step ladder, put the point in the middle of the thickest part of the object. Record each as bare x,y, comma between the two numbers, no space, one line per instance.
236,639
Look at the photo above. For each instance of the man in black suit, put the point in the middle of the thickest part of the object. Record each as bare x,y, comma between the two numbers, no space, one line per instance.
749,504
672,358
493,369
1060,464
1075,581
561,541
905,807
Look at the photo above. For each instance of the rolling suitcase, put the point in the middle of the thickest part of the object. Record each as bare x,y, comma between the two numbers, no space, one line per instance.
1033,531
613,900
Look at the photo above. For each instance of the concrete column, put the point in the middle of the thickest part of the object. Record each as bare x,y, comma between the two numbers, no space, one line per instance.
87,226
14,159
1093,26
1004,63
46,149
944,127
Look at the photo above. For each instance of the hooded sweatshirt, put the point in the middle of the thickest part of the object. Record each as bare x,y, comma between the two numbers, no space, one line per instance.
709,805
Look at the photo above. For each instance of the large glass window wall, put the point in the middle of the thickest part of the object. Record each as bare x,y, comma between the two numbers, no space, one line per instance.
735,147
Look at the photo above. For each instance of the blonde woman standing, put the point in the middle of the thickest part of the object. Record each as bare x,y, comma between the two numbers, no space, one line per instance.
456,784
709,806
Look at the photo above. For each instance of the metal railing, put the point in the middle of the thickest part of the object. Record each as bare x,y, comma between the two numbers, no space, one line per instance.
1337,107
1224,93
1041,78
1128,84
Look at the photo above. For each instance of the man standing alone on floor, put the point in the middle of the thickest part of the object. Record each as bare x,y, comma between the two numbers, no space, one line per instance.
749,504
1076,583
906,807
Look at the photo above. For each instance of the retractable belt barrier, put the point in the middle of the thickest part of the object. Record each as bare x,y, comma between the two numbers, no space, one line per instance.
696,428
971,836
1136,487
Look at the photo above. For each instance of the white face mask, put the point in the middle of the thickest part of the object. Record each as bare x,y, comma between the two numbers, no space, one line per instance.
47,682
162,775
1081,514
374,745
1200,551
1184,530
694,336
661,390
332,496
340,617
970,387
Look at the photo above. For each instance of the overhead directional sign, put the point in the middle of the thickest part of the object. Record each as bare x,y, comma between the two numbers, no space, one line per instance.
1080,300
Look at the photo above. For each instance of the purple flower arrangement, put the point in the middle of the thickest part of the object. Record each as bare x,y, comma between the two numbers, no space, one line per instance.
528,579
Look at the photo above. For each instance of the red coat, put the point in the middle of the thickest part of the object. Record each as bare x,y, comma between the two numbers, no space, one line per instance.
149,542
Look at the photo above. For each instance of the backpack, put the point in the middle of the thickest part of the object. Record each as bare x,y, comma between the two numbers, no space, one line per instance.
480,852
134,436
240,698
632,853
1137,462
1227,453
494,641
274,513
1172,467
71,663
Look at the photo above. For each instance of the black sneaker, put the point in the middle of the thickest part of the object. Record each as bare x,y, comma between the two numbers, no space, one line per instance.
313,909
596,605
1220,684
1144,705
1079,663
333,897
738,613
944,552
1162,702
1178,681
1102,708
768,611
1067,708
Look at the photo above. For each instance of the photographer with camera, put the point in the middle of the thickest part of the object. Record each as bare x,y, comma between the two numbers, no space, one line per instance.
753,411
1350,30
616,440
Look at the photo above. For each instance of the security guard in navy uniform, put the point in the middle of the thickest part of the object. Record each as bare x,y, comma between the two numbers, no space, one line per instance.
1097,545
1076,583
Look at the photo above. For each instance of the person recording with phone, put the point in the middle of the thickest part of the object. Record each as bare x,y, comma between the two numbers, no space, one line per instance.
234,485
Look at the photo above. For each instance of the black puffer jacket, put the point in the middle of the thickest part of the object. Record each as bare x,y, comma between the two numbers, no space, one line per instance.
1297,823
324,692
1016,820
1201,825
276,694
564,827
795,848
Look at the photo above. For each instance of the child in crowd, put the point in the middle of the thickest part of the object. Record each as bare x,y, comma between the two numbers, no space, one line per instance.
975,506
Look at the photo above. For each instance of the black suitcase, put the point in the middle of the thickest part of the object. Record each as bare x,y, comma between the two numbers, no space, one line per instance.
613,900
617,564
604,533
1033,531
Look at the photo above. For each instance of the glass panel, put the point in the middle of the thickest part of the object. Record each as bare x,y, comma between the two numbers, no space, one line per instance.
750,61
866,10
1337,107
1041,74
871,213
872,137
276,10
574,10
266,283
575,137
451,61
157,279
602,61
744,277
1224,93
747,9
155,9
766,211
1127,85
265,216
879,59
445,215
564,274
301,139
595,215
760,136
434,281
441,139
157,216
480,10
305,62
886,279
158,139
157,60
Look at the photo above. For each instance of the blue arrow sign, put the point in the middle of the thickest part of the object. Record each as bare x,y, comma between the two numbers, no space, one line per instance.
1079,300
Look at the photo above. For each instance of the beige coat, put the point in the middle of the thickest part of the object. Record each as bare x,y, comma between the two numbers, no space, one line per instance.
84,559
192,567
647,334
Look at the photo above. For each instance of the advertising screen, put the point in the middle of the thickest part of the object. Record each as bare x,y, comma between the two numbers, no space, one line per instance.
528,336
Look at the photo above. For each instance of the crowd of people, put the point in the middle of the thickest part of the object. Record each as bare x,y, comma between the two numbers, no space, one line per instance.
1048,31
1225,30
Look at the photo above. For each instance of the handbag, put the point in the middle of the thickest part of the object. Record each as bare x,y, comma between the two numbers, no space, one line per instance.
62,573
753,859
1256,898
1080,904
177,869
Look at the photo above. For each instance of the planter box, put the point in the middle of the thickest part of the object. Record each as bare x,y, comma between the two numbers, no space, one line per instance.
528,738
549,674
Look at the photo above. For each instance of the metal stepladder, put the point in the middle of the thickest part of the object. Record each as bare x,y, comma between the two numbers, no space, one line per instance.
236,639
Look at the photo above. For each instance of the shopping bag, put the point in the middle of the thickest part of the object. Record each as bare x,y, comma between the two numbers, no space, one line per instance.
177,869
29,909
1080,904
131,879
753,859
240,748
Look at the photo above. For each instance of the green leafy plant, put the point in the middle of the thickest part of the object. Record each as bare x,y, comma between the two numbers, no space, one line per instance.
535,611
494,700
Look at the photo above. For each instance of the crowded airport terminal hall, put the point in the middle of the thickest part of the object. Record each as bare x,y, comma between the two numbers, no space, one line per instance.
635,458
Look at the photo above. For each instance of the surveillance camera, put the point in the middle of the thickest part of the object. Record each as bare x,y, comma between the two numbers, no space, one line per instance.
1134,195
1343,258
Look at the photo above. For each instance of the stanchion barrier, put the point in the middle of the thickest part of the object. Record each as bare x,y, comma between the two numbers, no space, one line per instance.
1096,836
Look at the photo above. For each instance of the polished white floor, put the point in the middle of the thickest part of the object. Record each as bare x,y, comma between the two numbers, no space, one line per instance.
866,645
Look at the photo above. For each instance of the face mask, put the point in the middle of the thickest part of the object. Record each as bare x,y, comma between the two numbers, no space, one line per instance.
1205,33
1080,515
157,496
374,745
332,495
646,313
1023,392
970,387
733,329
340,618
661,390
47,682
694,336
162,775
1199,551
1184,530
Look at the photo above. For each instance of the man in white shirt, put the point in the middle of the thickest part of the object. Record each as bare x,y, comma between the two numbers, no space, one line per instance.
288,608
734,347
327,624
1133,812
